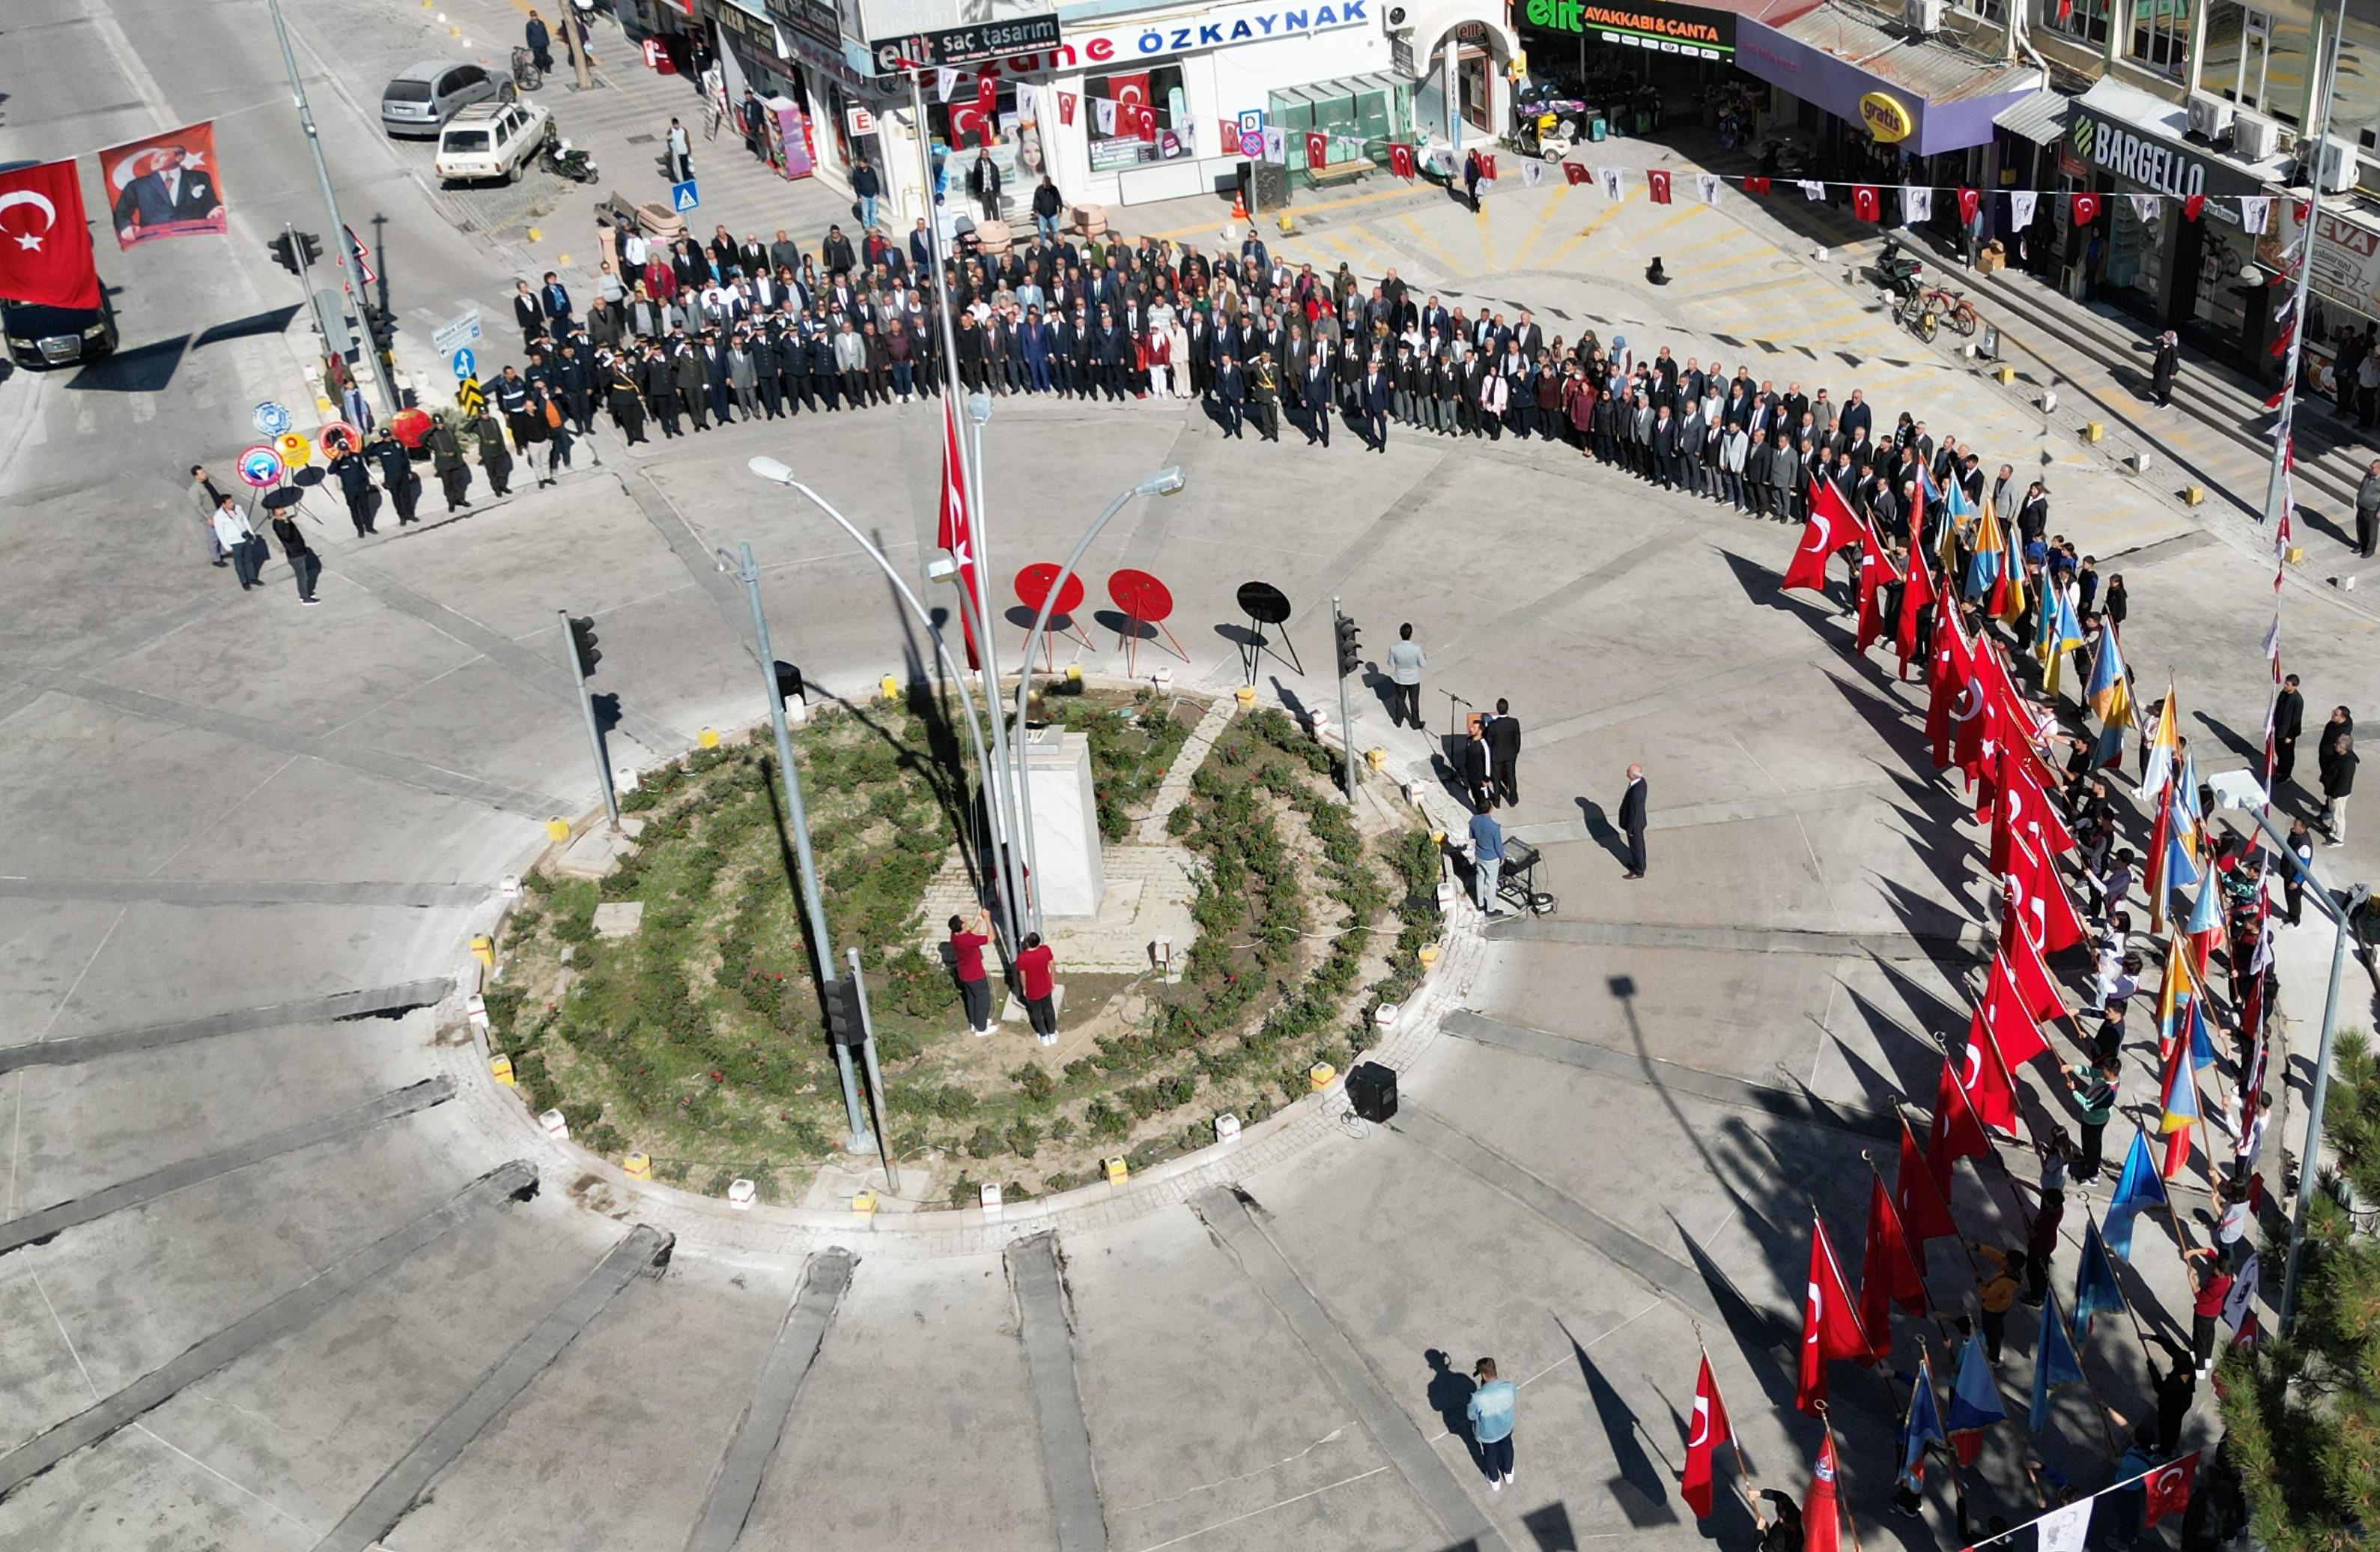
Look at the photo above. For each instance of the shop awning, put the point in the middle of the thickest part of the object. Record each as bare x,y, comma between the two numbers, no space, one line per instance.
2040,119
1925,94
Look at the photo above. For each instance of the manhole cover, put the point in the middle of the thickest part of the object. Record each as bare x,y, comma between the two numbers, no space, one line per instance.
642,139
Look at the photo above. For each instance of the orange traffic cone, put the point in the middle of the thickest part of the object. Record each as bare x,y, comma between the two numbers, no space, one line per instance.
1239,206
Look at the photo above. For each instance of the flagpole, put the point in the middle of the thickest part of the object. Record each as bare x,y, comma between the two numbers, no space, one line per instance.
2276,482
1842,1499
1742,1472
2140,1333
2106,1429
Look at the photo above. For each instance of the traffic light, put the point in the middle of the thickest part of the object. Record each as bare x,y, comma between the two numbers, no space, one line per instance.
845,1024
582,642
294,251
382,323
310,245
1350,655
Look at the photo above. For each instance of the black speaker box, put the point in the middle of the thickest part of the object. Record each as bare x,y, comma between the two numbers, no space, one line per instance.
1372,1090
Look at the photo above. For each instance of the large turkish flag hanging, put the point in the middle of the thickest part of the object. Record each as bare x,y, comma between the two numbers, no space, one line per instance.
44,243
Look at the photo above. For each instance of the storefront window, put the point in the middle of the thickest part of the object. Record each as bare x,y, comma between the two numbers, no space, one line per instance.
1159,88
2255,56
2161,35
2086,20
1988,9
959,123
2357,110
1361,114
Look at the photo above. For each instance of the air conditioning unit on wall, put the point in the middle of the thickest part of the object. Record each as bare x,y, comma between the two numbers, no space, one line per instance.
2254,136
2336,165
2209,115
1922,17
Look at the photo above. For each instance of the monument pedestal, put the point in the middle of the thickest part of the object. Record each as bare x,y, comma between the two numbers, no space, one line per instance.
1067,878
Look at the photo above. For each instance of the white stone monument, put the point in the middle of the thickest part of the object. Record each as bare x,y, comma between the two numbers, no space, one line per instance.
1068,881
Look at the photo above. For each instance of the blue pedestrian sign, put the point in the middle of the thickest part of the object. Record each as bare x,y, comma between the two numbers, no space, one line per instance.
272,417
681,197
465,364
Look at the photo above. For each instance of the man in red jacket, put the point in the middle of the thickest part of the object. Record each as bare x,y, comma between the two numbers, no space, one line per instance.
1034,972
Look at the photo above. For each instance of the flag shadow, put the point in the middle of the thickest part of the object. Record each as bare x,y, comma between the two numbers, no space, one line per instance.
1642,1488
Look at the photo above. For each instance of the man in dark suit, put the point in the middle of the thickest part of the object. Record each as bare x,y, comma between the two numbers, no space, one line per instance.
1479,780
1374,401
1231,393
1504,751
529,313
1632,820
2288,722
166,195
1313,394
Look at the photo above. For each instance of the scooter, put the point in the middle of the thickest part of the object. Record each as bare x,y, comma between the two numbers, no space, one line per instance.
1544,136
1897,272
565,160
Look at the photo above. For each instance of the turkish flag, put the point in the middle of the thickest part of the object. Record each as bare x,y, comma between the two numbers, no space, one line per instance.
1984,1081
1875,571
1830,527
1956,1134
44,242
1866,203
1755,185
1914,598
1889,1275
1129,91
2168,1488
1576,173
1317,148
2026,968
1708,1430
956,534
2084,208
1830,1325
1231,135
1969,202
2047,914
987,94
1822,1523
1066,107
1488,166
1924,1213
2191,205
1144,122
1401,162
2002,1014
1659,181
1946,682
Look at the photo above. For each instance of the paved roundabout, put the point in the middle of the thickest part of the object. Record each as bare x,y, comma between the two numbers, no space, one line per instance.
291,1289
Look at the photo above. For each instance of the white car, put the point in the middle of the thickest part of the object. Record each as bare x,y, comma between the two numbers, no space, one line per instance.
491,140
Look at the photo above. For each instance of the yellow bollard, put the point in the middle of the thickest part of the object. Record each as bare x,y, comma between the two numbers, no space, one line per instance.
1321,1074
500,1067
2193,495
1427,953
534,234
638,1166
1245,695
565,258
708,738
2295,553
484,948
2092,431
2006,374
1118,1172
1073,673
889,688
863,1204
557,829
1377,757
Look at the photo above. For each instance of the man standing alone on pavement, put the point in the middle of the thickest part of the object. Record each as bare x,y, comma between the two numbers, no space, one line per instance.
1038,981
1486,859
1504,751
1405,663
1632,820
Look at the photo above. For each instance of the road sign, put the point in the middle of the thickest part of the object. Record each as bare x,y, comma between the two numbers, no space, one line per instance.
682,195
1251,142
294,448
468,396
272,417
457,332
966,45
260,467
364,272
340,436
465,364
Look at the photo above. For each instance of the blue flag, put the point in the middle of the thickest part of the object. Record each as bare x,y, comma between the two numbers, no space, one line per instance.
2139,1186
1954,496
1922,1426
2053,1365
2202,1048
1975,1398
2096,1288
2207,910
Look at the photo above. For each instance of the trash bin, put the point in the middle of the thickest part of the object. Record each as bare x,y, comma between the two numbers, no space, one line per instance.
1595,128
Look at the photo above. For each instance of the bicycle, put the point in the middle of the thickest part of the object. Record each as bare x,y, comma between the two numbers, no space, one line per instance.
1916,312
1954,310
525,75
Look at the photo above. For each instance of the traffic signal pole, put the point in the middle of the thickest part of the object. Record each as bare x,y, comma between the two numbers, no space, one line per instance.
1343,630
581,667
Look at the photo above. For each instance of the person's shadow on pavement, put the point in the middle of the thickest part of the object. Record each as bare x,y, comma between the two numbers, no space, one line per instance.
1600,830
1450,1397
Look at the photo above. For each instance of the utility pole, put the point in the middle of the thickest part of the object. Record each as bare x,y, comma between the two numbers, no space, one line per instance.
875,1077
831,990
347,275
1351,658
573,21
578,645
2276,482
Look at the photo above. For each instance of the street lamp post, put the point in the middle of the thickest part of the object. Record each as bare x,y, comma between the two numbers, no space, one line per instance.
2275,480
797,818
2342,920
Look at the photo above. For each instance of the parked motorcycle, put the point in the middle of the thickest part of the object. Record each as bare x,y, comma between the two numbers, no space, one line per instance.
565,160
1897,272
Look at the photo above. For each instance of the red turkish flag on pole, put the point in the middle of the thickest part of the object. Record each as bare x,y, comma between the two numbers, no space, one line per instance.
1946,682
1924,1213
1822,1521
44,242
2002,1013
1875,571
1984,1081
1916,594
956,534
2037,900
1956,1134
1830,527
2168,1488
1830,1325
2035,988
1889,1275
1708,1430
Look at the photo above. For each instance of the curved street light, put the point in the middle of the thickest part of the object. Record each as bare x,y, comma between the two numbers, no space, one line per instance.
777,473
